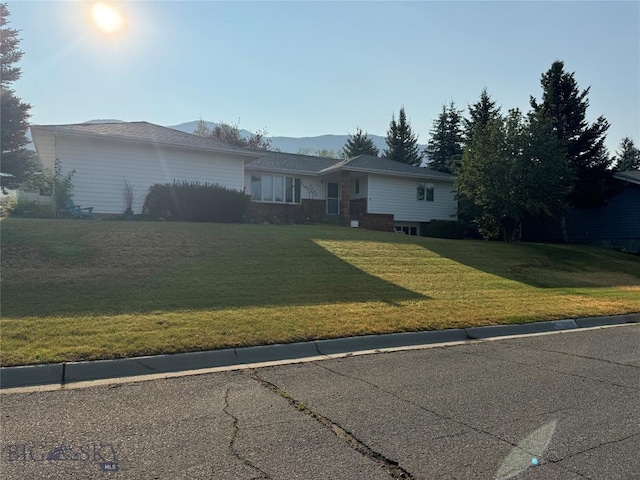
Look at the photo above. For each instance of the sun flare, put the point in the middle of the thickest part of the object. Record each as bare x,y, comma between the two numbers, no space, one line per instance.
107,18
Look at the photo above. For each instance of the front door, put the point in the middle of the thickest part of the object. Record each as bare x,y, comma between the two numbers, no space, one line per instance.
333,199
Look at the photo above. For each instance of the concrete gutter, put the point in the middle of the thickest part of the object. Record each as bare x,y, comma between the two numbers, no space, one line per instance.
74,372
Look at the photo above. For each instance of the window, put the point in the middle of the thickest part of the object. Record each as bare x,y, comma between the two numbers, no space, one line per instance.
357,185
406,229
425,192
275,188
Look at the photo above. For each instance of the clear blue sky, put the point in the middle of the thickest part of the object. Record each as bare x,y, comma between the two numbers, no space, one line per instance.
310,68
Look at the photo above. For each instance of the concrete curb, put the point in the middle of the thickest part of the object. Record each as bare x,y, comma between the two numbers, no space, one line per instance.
71,372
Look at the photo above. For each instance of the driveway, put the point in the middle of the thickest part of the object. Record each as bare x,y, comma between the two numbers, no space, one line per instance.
565,405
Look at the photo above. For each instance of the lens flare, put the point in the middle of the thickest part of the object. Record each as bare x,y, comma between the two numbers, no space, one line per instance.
107,18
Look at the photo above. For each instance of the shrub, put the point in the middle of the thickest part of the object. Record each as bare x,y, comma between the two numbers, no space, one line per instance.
444,229
195,202
20,207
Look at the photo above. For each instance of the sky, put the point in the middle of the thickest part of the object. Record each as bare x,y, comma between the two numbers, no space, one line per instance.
312,68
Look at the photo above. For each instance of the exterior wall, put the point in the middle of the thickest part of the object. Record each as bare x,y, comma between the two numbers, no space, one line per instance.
46,149
381,222
397,196
102,166
309,211
615,225
363,186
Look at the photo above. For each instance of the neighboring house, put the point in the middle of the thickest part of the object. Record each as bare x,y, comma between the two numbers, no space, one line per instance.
378,193
615,225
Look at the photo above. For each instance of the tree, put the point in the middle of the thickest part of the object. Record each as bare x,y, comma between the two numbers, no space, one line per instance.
319,152
230,133
402,144
565,106
17,161
359,144
444,150
514,169
628,156
480,113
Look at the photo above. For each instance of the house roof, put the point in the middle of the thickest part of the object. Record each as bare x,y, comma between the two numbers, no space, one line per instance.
632,176
290,162
371,164
145,132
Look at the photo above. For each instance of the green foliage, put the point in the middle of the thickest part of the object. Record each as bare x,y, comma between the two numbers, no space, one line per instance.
444,150
480,113
402,144
319,152
21,207
565,106
514,169
627,156
16,160
444,229
359,144
195,202
230,133
53,184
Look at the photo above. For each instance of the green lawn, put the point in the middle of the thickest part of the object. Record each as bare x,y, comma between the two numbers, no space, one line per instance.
75,290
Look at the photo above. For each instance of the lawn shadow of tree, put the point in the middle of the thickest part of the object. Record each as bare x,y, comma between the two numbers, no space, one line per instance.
273,274
543,265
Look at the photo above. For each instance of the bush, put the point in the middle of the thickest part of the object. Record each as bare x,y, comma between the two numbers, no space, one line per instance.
19,207
444,229
195,202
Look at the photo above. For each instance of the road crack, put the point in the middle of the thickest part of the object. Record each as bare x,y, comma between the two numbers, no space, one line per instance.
392,467
234,435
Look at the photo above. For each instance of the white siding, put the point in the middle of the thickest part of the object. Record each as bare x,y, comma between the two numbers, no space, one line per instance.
45,147
102,166
397,196
311,186
363,187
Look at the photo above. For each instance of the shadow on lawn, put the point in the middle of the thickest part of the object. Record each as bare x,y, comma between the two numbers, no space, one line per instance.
272,274
544,265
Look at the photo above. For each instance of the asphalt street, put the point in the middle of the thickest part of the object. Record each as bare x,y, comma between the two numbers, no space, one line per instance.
559,406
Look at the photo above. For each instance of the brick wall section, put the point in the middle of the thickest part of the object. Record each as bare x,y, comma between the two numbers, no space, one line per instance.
345,197
377,221
370,221
309,211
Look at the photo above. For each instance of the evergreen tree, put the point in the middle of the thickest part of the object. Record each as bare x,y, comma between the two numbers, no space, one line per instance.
444,150
230,133
627,156
17,161
359,144
202,130
402,144
565,106
480,113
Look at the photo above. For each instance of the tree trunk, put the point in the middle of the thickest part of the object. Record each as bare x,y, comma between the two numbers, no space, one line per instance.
563,228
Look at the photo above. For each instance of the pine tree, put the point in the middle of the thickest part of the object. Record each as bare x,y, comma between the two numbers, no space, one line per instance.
402,144
444,150
17,161
359,144
565,106
480,113
627,156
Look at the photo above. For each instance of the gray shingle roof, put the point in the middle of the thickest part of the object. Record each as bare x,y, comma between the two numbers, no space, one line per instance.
372,164
146,131
290,162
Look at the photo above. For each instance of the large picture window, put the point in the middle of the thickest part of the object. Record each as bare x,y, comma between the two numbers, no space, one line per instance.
275,188
425,192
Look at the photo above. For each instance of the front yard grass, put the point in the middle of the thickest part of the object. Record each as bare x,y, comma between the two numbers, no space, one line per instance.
79,290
